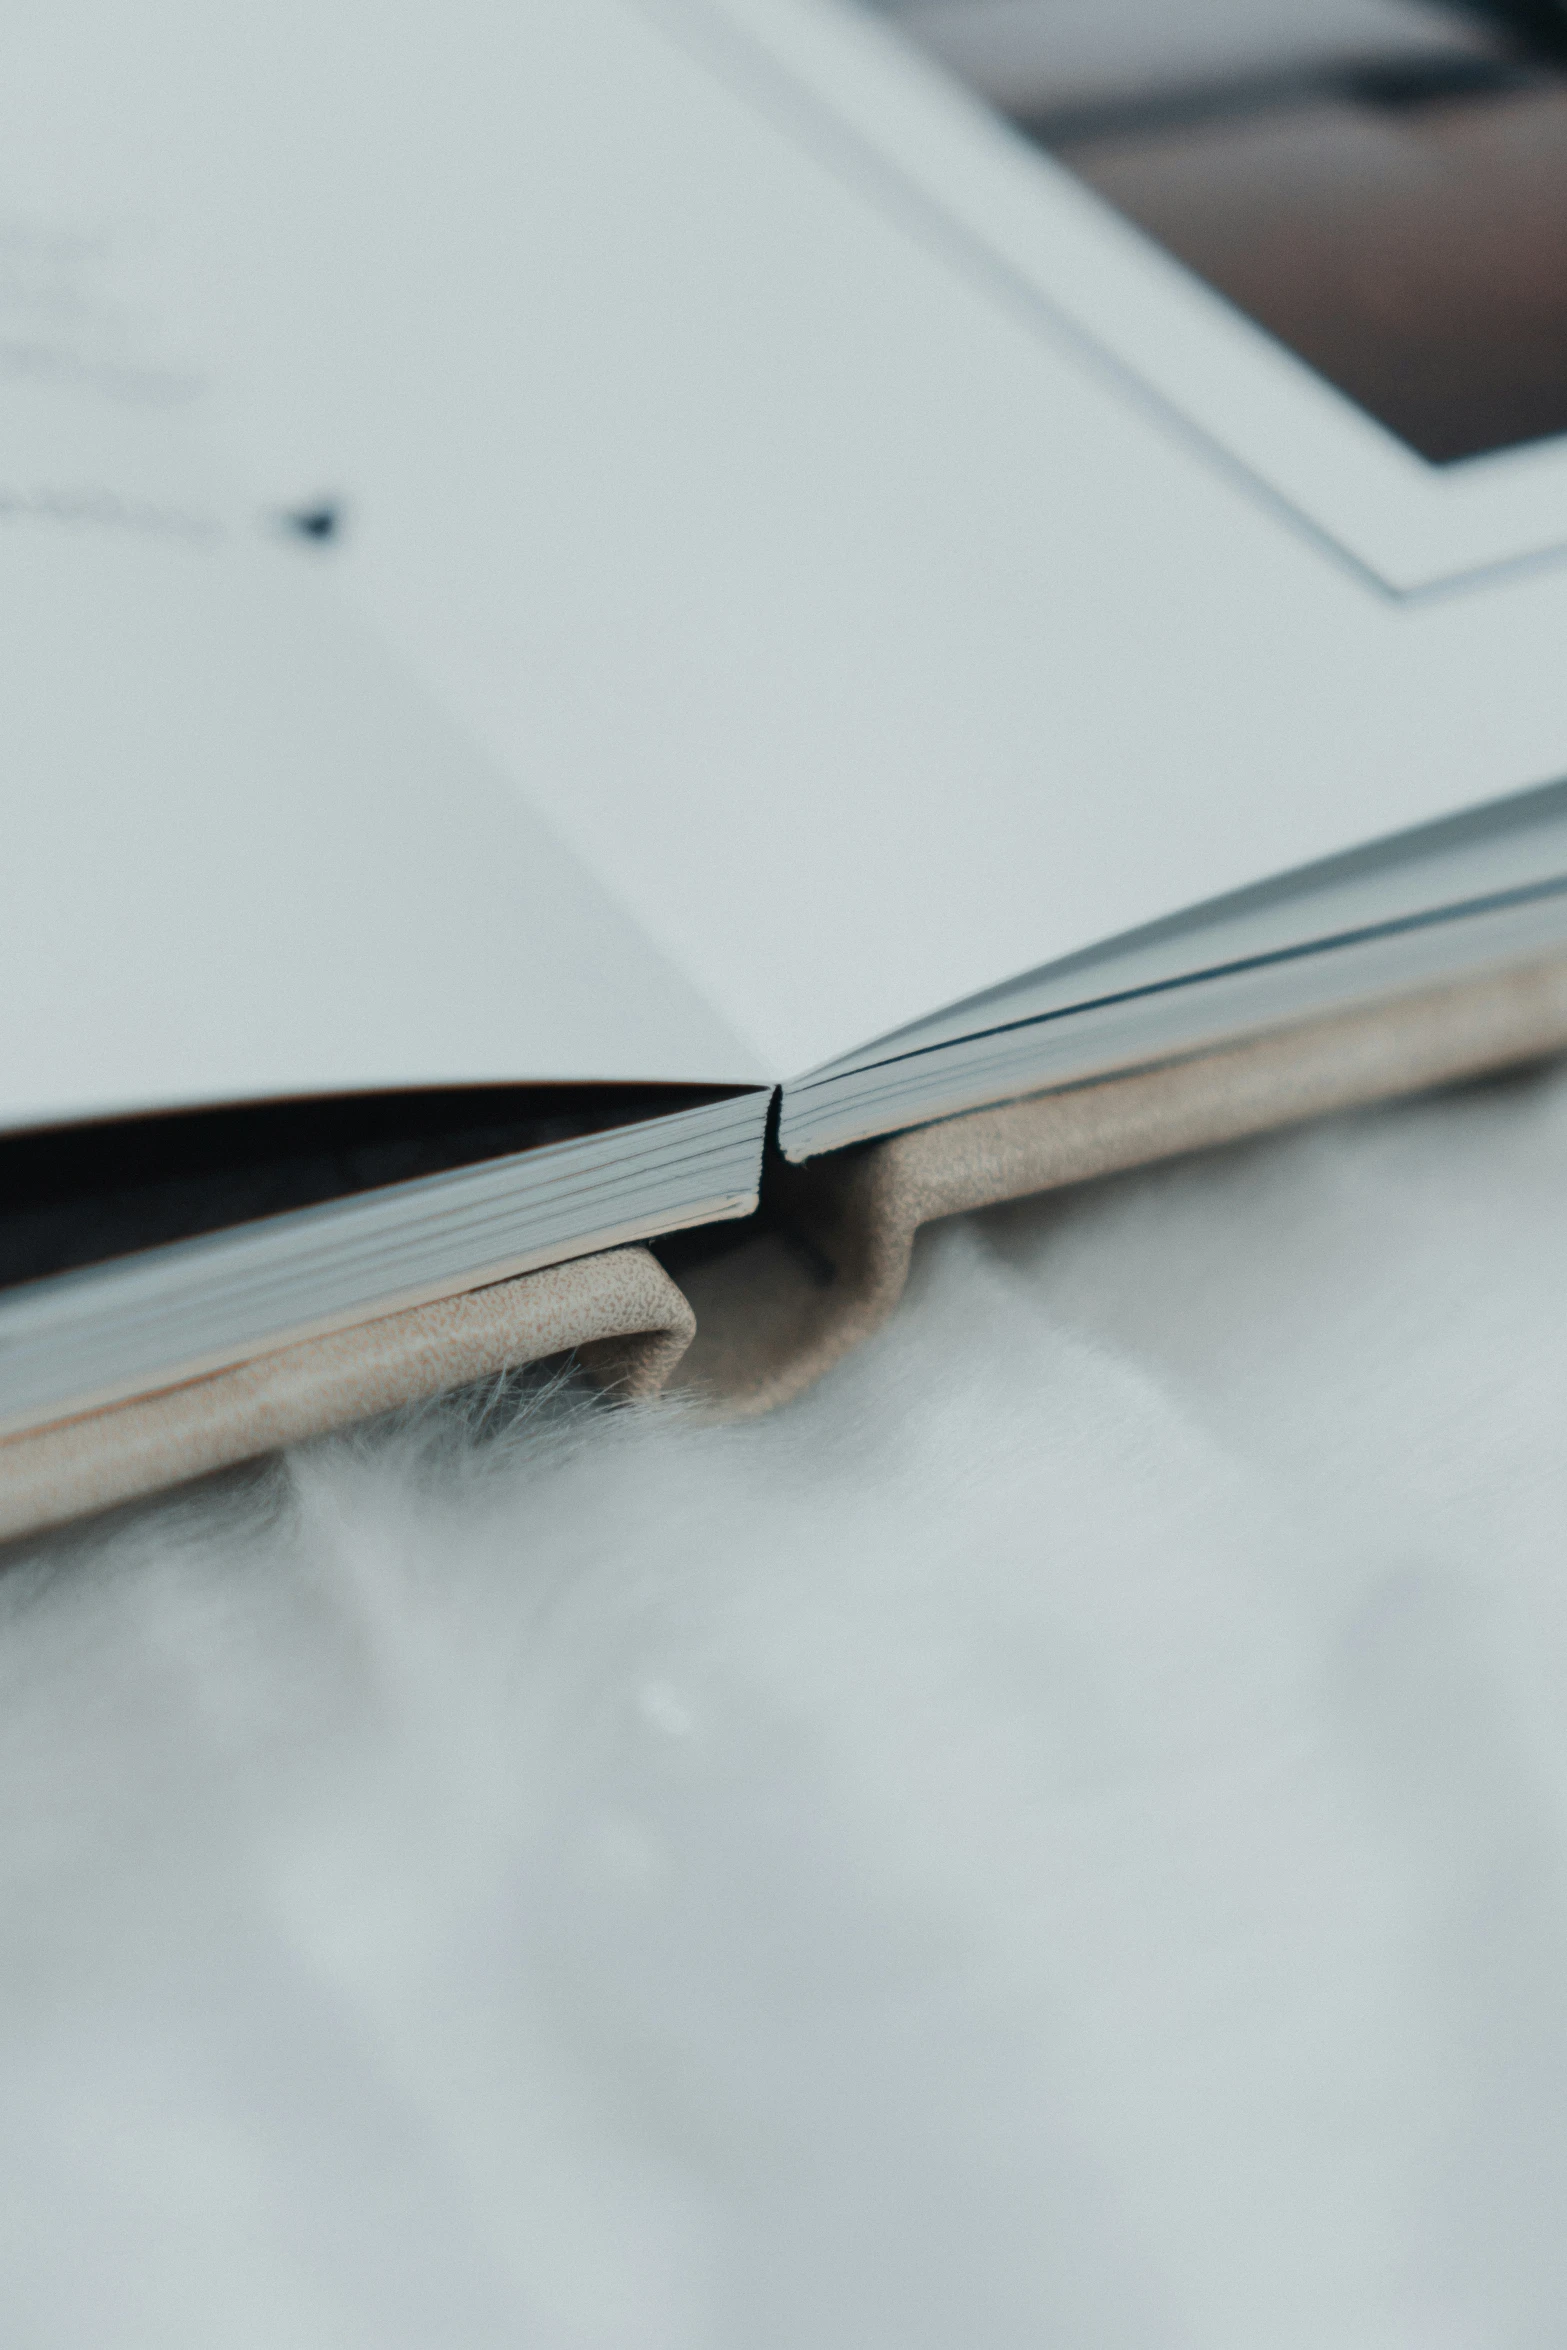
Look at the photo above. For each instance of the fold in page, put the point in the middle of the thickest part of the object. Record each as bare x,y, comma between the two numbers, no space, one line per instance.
259,891
246,856
862,626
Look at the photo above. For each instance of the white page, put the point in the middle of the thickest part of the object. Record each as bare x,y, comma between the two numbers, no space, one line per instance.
855,626
243,856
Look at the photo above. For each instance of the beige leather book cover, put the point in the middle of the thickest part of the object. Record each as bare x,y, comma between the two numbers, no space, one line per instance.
776,1316
619,1310
755,1327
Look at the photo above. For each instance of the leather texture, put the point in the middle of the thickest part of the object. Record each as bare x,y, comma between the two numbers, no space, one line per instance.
786,1307
619,1309
756,1326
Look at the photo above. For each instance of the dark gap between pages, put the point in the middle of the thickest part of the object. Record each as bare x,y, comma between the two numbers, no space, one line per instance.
701,1245
72,1196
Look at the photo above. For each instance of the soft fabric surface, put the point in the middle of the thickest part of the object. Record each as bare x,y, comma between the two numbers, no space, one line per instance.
1058,1839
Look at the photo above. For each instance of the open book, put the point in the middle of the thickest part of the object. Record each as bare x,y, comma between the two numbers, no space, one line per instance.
596,598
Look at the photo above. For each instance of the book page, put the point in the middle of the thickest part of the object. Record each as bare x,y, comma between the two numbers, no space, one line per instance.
245,857
864,628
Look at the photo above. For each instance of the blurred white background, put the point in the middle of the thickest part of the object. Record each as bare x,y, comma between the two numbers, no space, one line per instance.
1059,1838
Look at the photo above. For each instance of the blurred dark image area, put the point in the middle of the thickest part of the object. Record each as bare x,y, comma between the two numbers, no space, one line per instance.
1380,184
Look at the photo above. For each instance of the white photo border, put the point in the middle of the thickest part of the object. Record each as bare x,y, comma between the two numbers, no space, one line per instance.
920,143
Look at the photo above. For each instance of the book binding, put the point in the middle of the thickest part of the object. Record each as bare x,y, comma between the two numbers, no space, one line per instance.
752,1329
